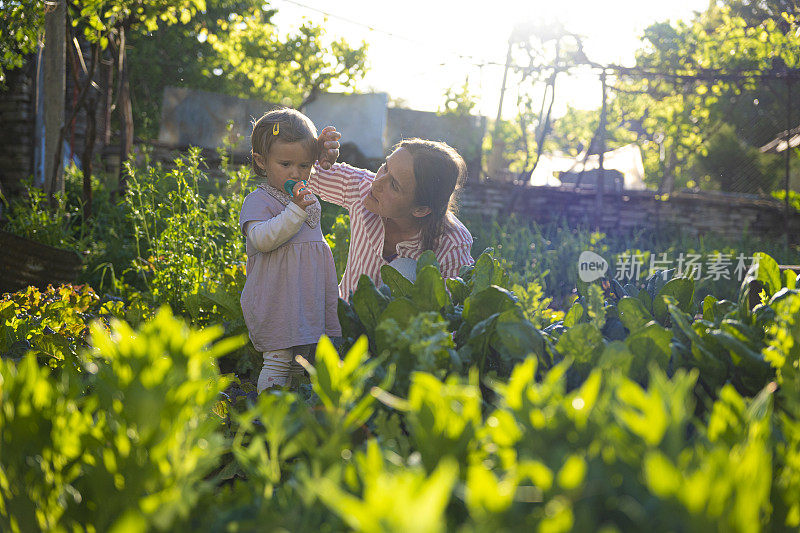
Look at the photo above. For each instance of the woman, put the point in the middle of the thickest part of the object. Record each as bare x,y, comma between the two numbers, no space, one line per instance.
399,212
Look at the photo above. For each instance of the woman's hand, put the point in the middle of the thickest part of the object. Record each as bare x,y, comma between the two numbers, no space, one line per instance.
301,197
328,142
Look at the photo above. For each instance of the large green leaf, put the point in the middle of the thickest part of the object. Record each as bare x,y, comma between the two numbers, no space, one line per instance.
476,349
633,314
617,289
574,314
644,297
769,273
748,296
368,303
751,372
428,258
516,338
723,307
487,272
750,335
491,300
459,290
631,290
429,292
657,282
402,310
682,289
616,356
713,370
399,284
790,279
352,328
709,308
743,356
650,343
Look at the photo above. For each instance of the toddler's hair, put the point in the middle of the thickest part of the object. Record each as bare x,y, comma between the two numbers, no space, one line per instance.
291,126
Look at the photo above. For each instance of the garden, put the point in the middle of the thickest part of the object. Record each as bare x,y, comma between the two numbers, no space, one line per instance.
513,397
662,393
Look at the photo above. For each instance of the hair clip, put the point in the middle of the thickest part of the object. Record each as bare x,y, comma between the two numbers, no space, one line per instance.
276,129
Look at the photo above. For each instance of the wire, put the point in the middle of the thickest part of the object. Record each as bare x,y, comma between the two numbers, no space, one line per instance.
706,74
477,62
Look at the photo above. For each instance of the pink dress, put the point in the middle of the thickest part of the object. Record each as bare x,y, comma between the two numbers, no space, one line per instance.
290,296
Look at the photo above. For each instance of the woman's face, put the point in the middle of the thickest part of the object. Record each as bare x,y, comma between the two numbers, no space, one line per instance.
392,192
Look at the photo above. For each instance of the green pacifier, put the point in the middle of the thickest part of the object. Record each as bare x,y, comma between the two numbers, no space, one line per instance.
289,186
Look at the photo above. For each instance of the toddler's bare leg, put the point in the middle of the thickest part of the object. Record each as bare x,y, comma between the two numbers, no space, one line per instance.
275,371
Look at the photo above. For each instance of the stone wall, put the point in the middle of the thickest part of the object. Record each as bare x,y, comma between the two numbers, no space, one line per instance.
706,213
192,117
17,128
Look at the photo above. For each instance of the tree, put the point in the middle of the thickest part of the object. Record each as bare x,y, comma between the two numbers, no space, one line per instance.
233,47
178,55
539,52
754,12
21,24
53,88
290,71
104,23
459,102
684,101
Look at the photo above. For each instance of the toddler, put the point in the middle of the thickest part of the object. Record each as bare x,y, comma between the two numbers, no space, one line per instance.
290,296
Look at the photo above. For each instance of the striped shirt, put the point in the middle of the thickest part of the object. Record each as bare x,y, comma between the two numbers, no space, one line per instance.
347,186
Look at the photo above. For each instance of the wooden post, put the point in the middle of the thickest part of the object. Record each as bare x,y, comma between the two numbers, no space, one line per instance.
787,157
496,155
503,86
54,86
601,149
126,114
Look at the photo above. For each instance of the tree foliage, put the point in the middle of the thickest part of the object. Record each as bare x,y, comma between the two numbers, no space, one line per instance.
704,95
459,101
20,25
99,17
287,70
684,110
233,47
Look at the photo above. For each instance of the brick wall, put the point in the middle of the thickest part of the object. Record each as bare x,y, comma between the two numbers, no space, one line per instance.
17,129
706,213
18,123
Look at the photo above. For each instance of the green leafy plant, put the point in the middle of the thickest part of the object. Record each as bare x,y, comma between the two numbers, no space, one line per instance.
127,442
185,240
59,225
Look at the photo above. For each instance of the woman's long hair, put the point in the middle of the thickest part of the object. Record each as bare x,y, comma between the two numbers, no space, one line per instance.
438,170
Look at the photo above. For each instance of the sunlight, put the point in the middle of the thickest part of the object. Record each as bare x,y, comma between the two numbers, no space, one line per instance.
443,46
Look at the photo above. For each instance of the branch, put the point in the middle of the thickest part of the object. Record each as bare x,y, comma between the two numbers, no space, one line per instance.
74,111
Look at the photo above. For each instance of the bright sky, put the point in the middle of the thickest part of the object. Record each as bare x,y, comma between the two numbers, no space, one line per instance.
420,48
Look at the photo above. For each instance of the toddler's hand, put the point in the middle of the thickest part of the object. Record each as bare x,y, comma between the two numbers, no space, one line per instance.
328,142
301,196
